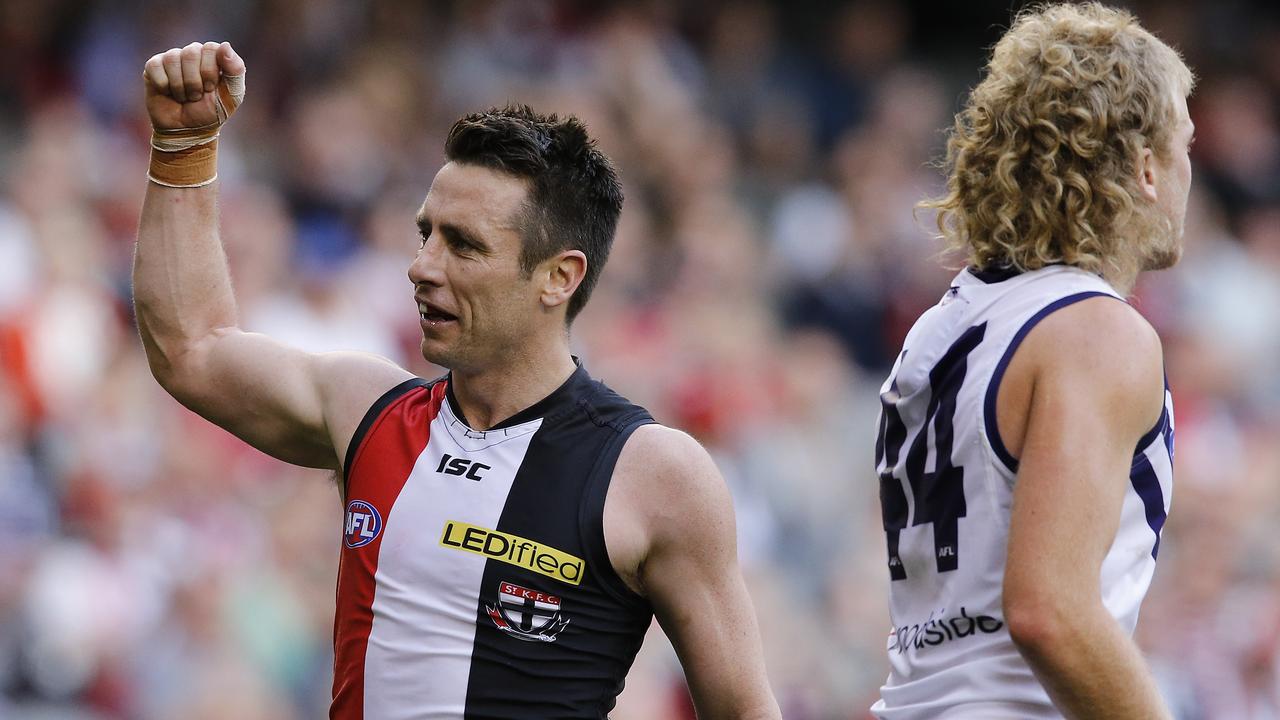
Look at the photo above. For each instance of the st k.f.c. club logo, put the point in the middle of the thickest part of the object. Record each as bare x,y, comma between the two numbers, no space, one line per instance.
527,614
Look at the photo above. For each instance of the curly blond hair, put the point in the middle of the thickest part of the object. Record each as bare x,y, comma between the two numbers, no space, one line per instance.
1042,160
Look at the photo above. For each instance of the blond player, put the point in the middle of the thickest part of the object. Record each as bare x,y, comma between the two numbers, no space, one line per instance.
1026,434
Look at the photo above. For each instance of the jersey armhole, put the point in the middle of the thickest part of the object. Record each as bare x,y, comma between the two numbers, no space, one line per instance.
591,514
1147,440
992,427
371,416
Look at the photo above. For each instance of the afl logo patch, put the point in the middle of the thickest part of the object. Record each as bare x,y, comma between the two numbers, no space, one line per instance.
363,524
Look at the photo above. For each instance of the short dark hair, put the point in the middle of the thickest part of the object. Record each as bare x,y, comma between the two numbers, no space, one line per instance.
575,198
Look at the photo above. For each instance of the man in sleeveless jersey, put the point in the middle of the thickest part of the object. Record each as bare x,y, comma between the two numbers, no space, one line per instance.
511,528
1025,441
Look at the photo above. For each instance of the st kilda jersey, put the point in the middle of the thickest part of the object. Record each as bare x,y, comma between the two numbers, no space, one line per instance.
474,580
946,488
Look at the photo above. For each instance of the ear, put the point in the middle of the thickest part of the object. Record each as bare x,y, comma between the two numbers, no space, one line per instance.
1148,173
564,273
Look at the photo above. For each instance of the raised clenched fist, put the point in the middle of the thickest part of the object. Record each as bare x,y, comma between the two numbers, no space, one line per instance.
197,86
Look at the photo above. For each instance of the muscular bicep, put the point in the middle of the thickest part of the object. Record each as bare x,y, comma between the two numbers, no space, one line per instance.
689,571
1096,388
296,406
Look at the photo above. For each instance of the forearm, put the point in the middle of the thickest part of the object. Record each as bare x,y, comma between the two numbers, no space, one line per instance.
731,691
181,285
1092,669
761,709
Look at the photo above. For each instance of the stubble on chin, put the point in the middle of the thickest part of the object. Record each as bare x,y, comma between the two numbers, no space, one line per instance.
435,355
1163,233
1163,258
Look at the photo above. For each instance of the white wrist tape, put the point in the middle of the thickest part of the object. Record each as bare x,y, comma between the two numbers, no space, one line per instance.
183,138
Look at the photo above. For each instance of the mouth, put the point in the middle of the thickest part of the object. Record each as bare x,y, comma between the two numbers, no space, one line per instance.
431,315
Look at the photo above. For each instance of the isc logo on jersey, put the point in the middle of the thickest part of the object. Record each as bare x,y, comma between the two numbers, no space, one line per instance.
363,523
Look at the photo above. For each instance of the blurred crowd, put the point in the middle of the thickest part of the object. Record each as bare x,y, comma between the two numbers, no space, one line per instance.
768,264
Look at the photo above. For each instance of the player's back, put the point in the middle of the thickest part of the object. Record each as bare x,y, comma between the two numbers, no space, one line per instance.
946,487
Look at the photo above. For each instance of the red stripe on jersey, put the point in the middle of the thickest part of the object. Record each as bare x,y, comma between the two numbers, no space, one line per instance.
378,472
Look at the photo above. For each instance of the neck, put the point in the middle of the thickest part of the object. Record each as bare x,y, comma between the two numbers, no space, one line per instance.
1152,241
1124,286
490,395
1123,275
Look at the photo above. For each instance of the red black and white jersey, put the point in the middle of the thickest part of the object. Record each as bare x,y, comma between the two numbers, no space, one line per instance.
474,580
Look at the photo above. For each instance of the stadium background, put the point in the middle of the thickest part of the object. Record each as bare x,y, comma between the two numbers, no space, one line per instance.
766,268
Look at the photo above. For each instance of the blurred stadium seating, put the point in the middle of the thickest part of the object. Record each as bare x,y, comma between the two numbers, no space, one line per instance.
767,267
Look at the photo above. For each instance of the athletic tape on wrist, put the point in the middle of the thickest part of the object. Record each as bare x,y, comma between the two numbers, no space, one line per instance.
188,157
183,138
188,168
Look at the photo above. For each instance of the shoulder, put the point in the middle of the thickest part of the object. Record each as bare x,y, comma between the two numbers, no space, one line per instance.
346,366
666,494
665,459
1097,358
1100,335
672,483
351,384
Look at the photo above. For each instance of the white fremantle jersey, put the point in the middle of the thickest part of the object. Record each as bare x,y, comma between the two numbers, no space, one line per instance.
946,487
474,580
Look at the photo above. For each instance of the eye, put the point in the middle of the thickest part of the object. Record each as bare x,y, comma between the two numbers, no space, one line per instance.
422,238
458,244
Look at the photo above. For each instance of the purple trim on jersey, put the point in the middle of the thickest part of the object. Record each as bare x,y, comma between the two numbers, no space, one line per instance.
994,275
993,430
1147,485
1150,437
1168,422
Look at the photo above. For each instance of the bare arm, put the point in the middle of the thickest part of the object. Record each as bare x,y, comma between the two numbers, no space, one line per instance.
1097,387
670,529
299,407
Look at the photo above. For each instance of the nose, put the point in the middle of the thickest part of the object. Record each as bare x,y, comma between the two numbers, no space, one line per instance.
428,265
